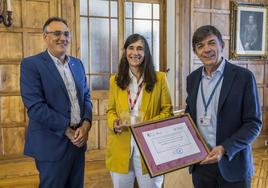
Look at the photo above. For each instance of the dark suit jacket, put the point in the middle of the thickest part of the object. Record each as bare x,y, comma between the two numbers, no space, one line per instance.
48,106
238,119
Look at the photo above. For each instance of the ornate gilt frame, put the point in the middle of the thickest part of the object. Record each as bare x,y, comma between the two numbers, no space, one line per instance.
238,49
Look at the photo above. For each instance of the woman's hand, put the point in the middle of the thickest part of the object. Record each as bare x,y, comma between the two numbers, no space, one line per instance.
119,127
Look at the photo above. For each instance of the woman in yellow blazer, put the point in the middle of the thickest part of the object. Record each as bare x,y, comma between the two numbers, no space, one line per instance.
138,90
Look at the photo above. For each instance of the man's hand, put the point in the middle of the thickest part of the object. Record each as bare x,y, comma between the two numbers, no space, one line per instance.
81,134
214,155
70,133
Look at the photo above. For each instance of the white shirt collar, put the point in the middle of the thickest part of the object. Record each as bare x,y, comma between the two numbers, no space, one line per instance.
57,60
133,77
220,69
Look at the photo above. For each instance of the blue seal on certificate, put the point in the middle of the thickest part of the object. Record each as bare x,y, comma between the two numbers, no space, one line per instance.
179,150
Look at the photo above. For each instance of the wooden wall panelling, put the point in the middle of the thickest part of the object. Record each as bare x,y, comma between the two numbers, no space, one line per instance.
201,4
12,111
266,87
9,78
35,43
265,100
36,13
103,106
69,12
177,56
12,123
13,140
102,98
16,8
260,93
147,1
242,64
226,49
77,28
13,45
103,133
183,48
12,117
222,5
258,71
93,136
121,27
260,141
95,107
200,11
1,143
265,121
99,94
163,37
200,18
23,27
220,19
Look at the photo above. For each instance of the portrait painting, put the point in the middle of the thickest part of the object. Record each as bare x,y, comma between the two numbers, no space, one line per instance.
248,38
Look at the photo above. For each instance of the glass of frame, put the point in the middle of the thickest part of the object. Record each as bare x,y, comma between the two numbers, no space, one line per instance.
248,31
169,144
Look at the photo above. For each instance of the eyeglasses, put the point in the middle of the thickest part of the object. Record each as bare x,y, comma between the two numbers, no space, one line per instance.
67,34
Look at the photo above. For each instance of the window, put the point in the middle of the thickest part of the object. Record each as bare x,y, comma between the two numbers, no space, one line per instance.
143,18
99,35
99,40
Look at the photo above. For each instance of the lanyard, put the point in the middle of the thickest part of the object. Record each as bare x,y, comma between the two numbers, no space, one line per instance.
211,95
136,98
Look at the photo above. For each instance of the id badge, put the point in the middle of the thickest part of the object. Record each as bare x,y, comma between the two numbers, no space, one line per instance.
205,120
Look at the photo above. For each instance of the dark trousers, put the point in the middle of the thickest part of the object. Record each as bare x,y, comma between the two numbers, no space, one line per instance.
209,176
65,173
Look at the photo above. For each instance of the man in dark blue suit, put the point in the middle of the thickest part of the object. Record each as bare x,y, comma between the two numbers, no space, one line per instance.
223,102
55,92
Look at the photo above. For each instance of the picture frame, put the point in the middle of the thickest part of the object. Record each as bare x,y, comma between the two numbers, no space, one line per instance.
169,144
248,31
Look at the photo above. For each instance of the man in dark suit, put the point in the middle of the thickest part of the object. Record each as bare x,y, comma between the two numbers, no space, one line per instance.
223,102
55,92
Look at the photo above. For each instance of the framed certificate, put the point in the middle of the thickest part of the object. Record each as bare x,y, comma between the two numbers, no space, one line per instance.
169,144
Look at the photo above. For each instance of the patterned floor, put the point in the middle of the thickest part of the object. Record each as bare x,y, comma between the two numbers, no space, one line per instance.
260,179
15,180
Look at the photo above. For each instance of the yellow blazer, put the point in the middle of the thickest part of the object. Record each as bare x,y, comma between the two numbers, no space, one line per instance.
155,105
